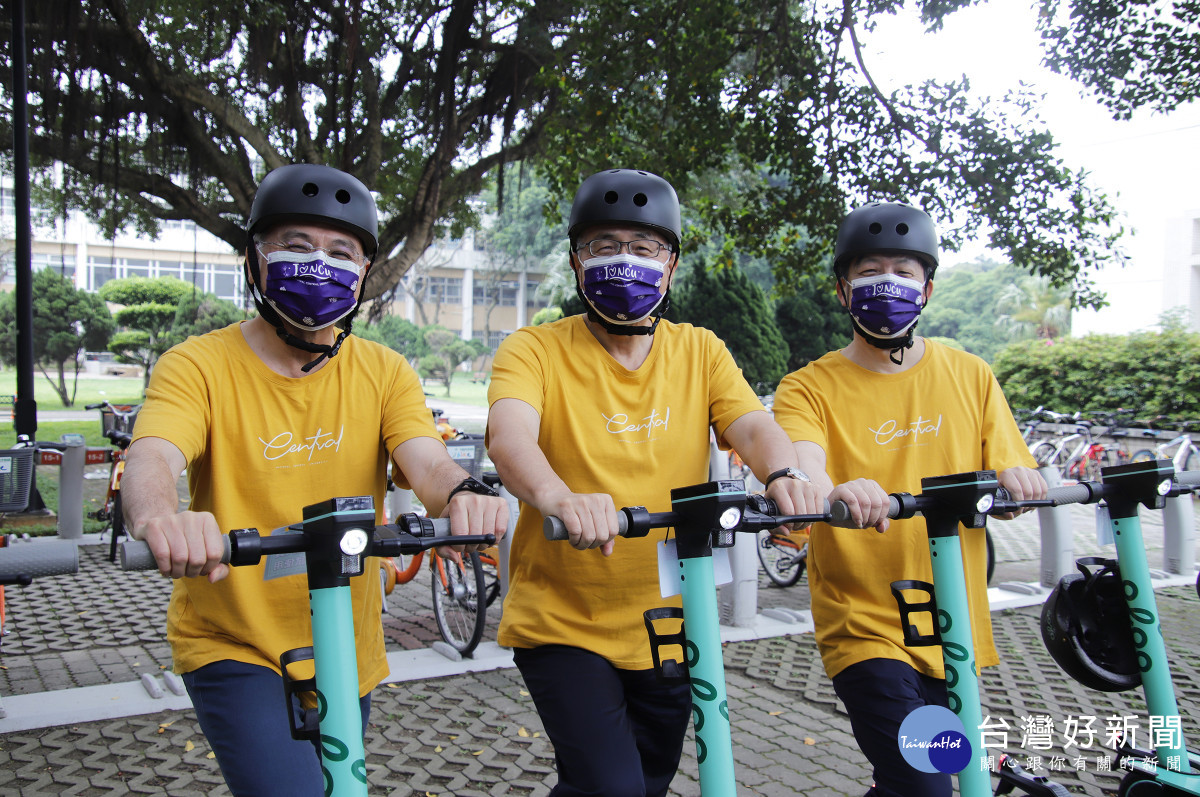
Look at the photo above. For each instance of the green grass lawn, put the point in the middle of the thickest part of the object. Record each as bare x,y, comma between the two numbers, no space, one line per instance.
91,390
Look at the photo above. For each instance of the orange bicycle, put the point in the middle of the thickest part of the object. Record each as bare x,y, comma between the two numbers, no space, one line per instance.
462,592
116,421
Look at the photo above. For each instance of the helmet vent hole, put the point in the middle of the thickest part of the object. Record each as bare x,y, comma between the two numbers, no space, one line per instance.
875,228
343,196
640,200
902,229
310,189
611,197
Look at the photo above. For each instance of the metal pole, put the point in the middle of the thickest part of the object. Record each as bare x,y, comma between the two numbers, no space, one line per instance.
1058,541
25,411
1179,535
70,492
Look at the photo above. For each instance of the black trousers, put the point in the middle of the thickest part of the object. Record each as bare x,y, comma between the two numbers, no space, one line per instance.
878,695
616,733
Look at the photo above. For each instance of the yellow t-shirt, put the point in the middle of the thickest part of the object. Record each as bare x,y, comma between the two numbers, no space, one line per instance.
606,429
260,447
944,415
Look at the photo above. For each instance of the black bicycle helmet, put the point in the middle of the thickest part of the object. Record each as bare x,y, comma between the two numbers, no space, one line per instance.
1087,629
320,194
626,196
886,227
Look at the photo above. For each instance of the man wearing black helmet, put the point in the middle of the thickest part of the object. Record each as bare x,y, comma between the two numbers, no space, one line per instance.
268,416
885,411
607,409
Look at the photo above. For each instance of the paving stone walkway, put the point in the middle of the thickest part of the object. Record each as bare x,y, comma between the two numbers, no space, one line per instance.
478,734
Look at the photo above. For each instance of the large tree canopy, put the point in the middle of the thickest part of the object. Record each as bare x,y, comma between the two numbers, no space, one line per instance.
174,109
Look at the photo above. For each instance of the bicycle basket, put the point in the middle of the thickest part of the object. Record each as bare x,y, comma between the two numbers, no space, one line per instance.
122,422
16,477
469,454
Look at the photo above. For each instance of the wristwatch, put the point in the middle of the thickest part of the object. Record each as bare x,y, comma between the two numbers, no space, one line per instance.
791,473
471,485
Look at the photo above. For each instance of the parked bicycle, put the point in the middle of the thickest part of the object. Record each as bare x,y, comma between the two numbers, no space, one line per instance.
1076,454
1180,449
462,591
116,422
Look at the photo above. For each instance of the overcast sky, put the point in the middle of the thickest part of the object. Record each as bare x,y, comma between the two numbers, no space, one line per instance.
1149,166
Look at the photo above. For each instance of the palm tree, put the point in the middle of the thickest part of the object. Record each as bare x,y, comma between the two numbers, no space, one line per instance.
1034,308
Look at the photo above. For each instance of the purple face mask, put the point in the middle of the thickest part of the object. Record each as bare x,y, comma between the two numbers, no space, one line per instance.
886,306
311,291
622,288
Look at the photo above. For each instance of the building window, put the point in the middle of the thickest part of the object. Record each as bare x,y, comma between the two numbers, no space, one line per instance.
531,296
503,293
101,271
137,268
226,283
439,290
63,265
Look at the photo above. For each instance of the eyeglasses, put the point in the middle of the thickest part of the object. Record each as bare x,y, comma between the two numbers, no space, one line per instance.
305,248
607,247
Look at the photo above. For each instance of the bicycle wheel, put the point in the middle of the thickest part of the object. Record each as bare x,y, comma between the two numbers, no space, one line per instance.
1144,455
991,553
1042,453
782,560
457,606
116,524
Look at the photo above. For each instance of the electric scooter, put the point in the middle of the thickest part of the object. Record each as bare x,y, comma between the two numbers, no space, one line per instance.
336,537
1143,659
946,502
705,516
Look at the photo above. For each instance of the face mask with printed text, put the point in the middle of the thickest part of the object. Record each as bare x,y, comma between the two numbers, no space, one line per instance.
623,288
313,290
886,306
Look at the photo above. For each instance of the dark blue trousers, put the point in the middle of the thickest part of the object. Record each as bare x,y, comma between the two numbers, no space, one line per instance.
616,733
241,711
878,695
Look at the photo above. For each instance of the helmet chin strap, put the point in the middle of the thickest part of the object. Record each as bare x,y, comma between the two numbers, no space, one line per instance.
625,329
896,345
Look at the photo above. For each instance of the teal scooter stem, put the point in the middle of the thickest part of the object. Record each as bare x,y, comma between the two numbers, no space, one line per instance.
1125,487
705,516
946,502
336,537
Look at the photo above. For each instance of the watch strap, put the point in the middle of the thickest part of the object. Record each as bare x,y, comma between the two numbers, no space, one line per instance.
471,485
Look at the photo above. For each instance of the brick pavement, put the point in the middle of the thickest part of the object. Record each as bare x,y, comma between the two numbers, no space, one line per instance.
478,734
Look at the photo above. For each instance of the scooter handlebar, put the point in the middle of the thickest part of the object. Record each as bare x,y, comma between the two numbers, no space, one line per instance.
135,555
38,559
554,529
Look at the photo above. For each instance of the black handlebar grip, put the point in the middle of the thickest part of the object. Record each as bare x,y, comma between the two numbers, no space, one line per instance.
839,512
555,529
135,555
38,559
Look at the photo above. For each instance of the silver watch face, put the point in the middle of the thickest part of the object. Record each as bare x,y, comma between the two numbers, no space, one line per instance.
796,473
